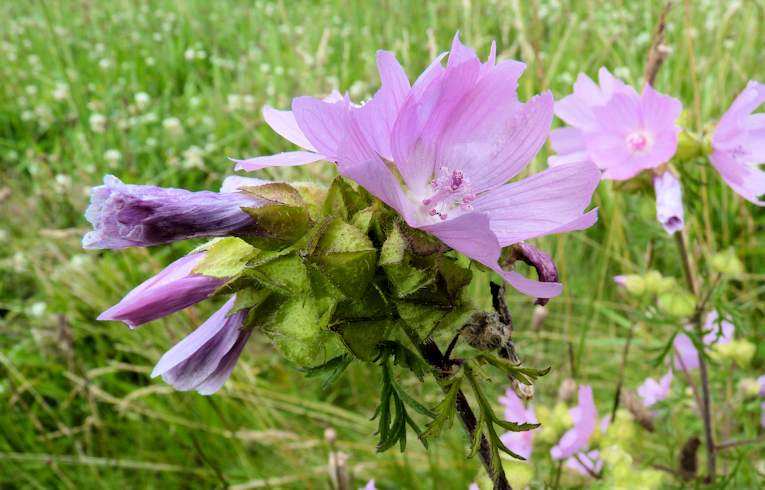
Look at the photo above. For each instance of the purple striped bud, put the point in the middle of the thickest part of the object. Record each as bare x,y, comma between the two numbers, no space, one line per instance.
203,360
669,201
125,215
173,289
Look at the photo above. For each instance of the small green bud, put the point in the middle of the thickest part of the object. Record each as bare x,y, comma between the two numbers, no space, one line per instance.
727,262
657,284
634,284
688,146
678,304
739,351
749,387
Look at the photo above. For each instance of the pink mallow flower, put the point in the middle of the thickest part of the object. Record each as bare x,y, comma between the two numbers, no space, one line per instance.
652,391
718,332
521,443
204,360
669,201
622,131
585,417
738,144
441,151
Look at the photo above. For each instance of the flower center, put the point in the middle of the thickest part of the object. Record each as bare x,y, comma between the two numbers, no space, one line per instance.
639,142
451,189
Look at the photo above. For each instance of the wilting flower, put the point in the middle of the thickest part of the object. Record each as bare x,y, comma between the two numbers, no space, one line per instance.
585,417
652,391
738,144
203,361
669,201
125,215
521,443
454,138
176,287
622,131
720,333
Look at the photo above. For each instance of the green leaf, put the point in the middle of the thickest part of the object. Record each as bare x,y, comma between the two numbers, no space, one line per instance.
330,371
295,326
445,410
343,200
454,277
405,358
347,257
286,275
362,338
363,219
278,225
420,317
248,298
275,192
371,306
393,251
225,258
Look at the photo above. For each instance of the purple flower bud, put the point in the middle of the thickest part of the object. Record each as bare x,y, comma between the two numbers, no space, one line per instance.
203,361
125,215
173,289
669,202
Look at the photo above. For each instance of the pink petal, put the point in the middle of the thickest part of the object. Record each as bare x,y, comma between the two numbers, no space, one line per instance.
549,202
377,117
530,287
686,356
748,182
422,118
375,177
609,84
286,159
567,140
284,123
459,53
621,115
233,183
323,123
469,234
658,111
565,159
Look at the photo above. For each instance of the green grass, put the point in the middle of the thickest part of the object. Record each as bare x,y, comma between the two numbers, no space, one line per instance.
77,407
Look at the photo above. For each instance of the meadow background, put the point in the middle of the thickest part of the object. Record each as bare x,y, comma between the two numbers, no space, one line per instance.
161,92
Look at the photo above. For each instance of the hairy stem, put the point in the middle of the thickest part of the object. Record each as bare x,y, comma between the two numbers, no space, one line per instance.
433,356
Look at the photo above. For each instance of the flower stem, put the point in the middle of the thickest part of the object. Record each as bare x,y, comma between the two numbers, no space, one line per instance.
433,356
705,408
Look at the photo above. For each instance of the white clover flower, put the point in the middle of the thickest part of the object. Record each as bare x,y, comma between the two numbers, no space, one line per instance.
195,101
151,142
27,115
265,67
249,103
105,63
37,309
31,90
112,157
173,126
622,72
60,91
150,61
234,102
142,100
189,54
63,182
193,158
44,116
97,122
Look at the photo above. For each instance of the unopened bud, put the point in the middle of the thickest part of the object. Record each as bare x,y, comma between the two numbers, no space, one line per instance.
657,284
633,283
749,387
524,392
678,304
739,351
727,263
538,318
546,269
